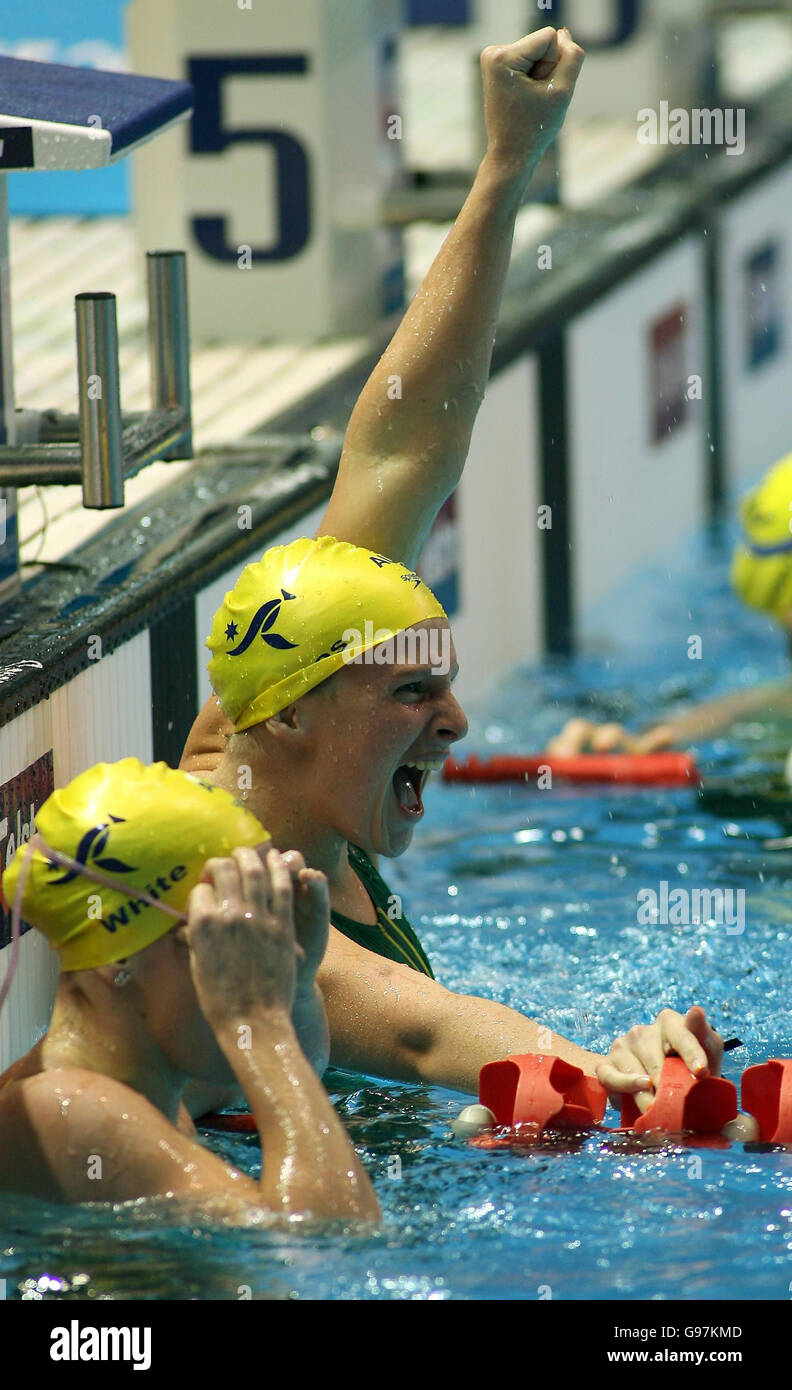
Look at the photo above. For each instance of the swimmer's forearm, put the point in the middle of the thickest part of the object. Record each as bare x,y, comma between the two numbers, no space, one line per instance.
392,1021
472,1032
309,1164
310,1025
707,720
443,346
441,354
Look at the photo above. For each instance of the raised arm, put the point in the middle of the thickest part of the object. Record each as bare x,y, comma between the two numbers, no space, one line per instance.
409,434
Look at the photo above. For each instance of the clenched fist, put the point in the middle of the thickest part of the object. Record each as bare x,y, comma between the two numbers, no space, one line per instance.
528,86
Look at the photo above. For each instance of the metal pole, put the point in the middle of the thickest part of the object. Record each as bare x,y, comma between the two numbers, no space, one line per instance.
99,400
169,337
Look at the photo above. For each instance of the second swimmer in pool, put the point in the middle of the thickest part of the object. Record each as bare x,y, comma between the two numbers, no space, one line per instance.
761,576
171,968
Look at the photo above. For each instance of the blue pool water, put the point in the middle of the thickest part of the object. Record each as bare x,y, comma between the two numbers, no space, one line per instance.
531,898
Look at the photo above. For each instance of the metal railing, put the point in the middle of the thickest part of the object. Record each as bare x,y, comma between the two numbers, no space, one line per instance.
101,446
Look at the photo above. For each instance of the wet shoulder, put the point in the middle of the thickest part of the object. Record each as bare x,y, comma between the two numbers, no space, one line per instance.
53,1124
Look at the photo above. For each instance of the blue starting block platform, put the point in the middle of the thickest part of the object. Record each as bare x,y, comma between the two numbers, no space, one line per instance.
55,116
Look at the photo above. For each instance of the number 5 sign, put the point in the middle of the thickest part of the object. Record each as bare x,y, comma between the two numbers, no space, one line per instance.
276,187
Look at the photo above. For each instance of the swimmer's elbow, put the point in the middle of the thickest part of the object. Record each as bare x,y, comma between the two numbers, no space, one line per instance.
421,1035
416,1042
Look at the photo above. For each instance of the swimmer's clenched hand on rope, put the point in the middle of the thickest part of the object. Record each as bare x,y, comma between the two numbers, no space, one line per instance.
638,1056
635,1060
584,736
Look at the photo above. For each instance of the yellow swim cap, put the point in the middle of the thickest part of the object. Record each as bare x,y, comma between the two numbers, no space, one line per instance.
150,828
762,564
286,624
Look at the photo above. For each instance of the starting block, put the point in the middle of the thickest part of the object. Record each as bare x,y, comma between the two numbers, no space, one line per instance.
59,117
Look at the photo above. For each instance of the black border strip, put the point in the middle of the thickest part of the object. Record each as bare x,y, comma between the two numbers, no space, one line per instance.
173,640
554,471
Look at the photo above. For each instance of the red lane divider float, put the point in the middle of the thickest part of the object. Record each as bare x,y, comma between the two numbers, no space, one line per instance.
532,1093
767,1095
238,1123
528,1093
536,1090
649,769
681,1102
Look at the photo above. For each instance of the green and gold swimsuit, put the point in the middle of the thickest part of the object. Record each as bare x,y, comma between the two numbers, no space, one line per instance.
391,935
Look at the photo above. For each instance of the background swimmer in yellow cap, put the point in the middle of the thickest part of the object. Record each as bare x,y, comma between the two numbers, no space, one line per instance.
341,769
761,576
181,952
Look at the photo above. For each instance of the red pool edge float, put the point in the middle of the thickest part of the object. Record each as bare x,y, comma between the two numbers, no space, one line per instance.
683,1102
766,1092
540,1092
238,1122
528,1093
532,1089
648,769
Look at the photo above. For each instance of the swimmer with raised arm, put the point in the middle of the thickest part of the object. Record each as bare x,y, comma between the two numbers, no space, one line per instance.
182,953
339,767
333,745
323,765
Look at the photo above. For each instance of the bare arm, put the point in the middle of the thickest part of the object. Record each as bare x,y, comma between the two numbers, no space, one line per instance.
76,1136
409,434
244,946
80,1137
309,1163
392,1021
395,1022
713,716
702,721
310,1025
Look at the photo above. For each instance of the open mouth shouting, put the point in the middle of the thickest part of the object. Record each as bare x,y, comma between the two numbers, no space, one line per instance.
409,781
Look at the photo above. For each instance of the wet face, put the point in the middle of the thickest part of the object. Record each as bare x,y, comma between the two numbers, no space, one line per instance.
376,733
